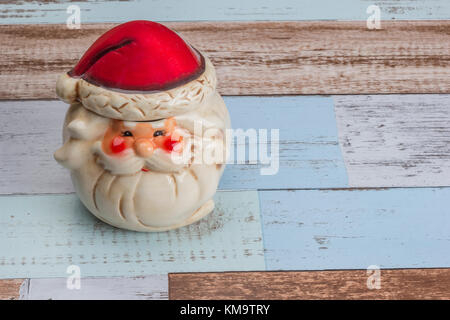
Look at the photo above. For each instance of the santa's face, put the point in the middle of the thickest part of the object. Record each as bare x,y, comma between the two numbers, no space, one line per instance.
129,147
142,137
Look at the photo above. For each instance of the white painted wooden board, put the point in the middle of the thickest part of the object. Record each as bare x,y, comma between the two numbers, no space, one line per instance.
30,132
152,287
42,235
395,140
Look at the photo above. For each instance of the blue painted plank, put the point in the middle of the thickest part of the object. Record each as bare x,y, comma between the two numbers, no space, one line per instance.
202,10
309,152
309,157
345,229
40,236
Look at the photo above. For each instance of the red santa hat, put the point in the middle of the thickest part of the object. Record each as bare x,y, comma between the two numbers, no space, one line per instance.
138,71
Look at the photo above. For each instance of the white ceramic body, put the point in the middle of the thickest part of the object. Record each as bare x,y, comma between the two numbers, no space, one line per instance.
161,199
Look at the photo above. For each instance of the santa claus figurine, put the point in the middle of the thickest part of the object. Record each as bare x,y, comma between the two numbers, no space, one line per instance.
144,137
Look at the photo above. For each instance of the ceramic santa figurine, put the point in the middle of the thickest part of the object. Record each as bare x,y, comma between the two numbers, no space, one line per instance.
144,137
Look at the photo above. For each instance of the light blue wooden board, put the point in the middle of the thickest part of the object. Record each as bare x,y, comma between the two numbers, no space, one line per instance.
201,10
40,236
310,156
345,229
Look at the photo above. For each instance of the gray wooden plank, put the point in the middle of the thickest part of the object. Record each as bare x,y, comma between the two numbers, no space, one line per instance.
30,132
150,287
395,140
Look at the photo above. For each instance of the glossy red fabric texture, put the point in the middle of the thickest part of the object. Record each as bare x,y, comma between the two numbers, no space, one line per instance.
139,56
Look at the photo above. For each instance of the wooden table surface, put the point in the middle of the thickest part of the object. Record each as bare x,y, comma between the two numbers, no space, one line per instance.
364,151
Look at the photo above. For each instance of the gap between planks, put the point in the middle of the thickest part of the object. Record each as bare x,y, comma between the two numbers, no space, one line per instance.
257,58
294,285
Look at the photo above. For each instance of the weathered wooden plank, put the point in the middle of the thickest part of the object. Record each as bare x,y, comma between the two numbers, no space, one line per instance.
396,140
353,229
153,287
352,284
309,154
257,58
26,163
10,289
41,236
386,141
172,10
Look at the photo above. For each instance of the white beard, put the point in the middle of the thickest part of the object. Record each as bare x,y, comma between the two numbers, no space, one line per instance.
145,201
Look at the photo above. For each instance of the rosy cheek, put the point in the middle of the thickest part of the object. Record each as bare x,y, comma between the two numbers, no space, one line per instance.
169,144
118,145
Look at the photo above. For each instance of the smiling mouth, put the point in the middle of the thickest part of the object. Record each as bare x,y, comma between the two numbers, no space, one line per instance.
145,169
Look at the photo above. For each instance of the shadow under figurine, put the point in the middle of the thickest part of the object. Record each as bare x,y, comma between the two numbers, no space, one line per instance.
144,136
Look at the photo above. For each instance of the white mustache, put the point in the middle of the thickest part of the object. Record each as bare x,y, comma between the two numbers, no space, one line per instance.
130,163
127,163
162,161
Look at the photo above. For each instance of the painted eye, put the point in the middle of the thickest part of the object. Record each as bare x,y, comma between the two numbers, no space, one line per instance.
127,134
158,133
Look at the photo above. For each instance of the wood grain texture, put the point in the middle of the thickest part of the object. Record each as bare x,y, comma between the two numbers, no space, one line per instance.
257,58
152,287
386,141
310,157
356,228
396,140
41,236
10,289
351,284
172,10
